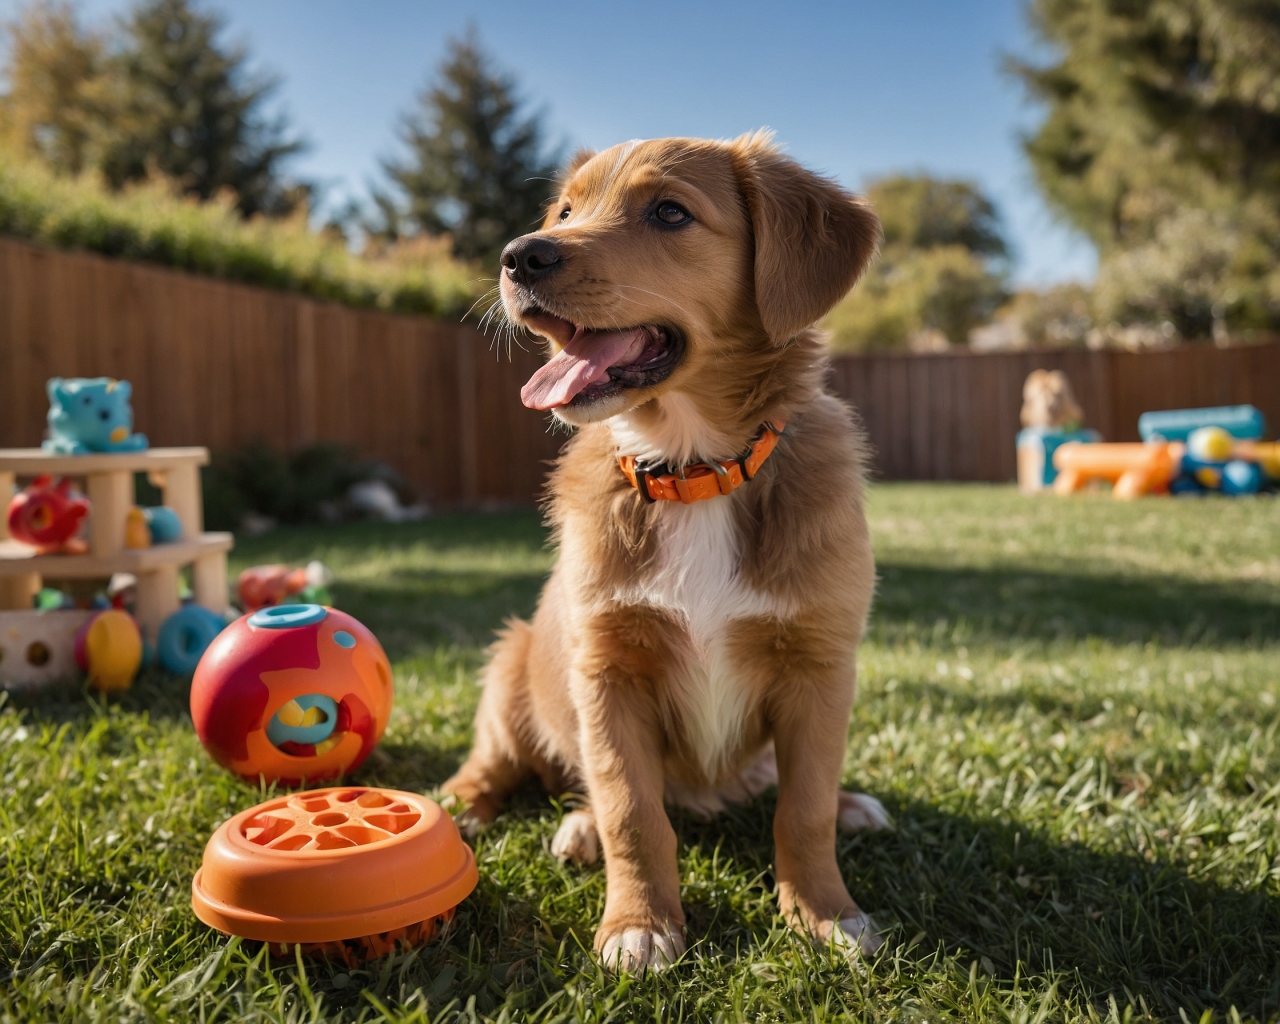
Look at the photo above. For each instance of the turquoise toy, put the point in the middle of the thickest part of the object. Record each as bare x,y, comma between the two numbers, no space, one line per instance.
1036,446
91,414
1243,422
164,524
185,636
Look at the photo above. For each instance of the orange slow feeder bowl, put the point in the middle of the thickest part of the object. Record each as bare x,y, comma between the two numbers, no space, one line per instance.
348,873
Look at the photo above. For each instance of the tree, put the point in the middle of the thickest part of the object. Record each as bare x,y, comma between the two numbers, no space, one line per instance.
941,271
1155,108
158,95
55,101
477,167
189,108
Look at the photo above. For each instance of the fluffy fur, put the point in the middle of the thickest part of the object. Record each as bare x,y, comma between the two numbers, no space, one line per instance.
693,654
1049,402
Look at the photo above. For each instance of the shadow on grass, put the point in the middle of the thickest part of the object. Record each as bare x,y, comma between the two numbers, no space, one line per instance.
1013,603
446,532
1002,893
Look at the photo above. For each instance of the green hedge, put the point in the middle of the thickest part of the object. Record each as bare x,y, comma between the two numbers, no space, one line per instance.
150,223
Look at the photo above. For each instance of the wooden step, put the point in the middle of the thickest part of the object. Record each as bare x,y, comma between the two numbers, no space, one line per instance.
19,560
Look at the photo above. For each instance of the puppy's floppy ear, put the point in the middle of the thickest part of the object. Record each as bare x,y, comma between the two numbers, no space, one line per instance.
576,161
812,238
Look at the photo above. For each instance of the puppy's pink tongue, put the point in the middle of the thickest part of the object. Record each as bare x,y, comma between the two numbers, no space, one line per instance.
585,360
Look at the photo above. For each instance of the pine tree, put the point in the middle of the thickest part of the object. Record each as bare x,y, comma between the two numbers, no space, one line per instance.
476,167
188,107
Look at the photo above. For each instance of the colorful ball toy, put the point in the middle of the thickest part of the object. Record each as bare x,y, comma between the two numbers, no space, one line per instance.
109,649
1210,444
347,873
292,693
45,516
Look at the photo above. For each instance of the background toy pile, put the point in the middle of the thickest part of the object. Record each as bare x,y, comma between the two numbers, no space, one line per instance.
1183,451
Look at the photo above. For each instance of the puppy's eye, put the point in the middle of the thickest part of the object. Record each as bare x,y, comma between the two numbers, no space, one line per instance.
671,214
564,214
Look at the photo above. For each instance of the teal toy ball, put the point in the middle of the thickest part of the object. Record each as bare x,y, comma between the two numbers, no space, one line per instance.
185,636
164,524
1240,477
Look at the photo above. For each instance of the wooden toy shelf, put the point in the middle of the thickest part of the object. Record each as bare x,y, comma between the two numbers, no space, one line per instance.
109,485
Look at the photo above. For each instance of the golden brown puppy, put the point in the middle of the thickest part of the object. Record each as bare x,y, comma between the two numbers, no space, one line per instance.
689,652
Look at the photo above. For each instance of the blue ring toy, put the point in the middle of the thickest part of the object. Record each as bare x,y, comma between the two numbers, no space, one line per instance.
287,616
278,732
185,636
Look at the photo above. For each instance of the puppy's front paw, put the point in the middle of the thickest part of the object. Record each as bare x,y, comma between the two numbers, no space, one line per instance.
859,812
635,949
576,839
855,935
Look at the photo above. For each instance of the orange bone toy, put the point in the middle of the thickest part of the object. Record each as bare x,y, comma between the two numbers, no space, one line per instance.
348,873
1133,469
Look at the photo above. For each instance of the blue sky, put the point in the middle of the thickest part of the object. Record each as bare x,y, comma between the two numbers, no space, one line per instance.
855,89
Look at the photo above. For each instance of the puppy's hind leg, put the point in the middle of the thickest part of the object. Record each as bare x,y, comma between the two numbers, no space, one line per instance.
499,760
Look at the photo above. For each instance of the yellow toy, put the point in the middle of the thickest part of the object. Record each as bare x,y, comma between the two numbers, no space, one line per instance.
137,534
109,649
1210,444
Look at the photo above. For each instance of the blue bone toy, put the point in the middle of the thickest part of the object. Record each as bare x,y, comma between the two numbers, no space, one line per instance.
91,414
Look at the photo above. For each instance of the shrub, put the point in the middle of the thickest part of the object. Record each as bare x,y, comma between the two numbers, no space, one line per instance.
289,488
149,222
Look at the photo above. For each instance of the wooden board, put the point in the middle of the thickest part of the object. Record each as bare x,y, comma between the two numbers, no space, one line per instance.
19,560
34,461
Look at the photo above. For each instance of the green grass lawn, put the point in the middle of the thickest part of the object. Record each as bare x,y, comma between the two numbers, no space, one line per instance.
1070,708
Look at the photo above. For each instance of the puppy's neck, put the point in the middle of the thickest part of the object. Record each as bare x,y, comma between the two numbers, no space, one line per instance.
673,430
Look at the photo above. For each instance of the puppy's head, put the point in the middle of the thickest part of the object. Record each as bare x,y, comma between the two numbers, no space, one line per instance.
679,265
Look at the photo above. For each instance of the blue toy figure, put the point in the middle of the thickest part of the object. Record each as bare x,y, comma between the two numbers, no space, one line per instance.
91,414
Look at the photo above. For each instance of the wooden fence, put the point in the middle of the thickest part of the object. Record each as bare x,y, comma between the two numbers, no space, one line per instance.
954,416
221,364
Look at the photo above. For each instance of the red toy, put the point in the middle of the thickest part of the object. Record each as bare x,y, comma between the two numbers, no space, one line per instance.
292,693
46,517
266,585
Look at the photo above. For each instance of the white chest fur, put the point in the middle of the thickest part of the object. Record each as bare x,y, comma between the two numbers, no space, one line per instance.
697,579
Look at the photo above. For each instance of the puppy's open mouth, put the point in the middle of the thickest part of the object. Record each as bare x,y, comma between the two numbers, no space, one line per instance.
595,363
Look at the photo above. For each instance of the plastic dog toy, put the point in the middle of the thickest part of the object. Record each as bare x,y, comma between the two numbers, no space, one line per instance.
265,585
1243,422
347,873
137,534
185,636
109,649
45,516
91,414
1133,469
290,693
164,524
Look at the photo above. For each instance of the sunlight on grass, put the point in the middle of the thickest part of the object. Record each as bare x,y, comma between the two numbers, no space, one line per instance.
1069,707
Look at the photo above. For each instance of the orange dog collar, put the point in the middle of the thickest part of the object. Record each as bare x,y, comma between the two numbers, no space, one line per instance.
701,480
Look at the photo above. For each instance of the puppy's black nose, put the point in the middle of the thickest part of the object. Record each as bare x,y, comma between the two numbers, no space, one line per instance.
530,258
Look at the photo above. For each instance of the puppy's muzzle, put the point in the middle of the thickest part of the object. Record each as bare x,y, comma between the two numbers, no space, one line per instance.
531,258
